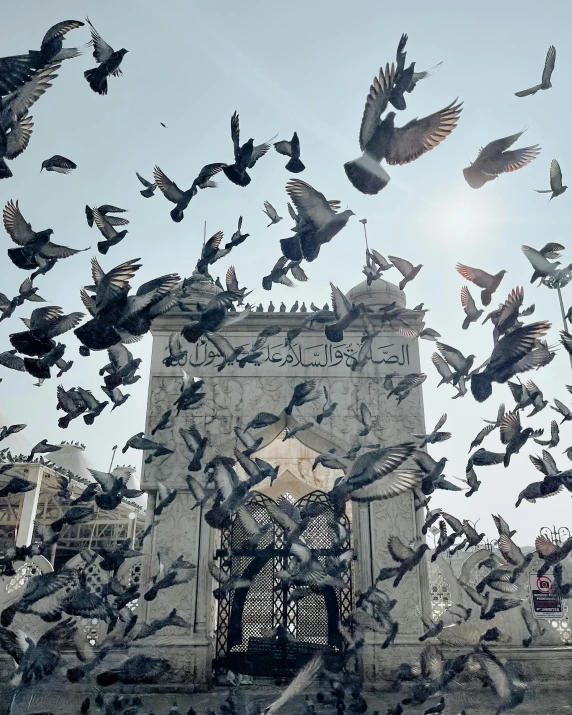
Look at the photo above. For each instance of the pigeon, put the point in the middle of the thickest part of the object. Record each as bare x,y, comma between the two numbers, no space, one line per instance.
211,253
139,441
495,159
486,281
546,75
52,49
471,311
507,357
43,325
35,250
116,396
435,436
513,436
292,149
105,210
407,270
108,59
149,189
237,237
556,186
380,139
270,211
180,198
58,163
543,268
245,156
107,228
319,222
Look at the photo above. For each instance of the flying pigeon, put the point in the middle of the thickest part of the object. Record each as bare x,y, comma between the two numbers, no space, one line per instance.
546,74
381,139
149,189
495,159
270,211
108,60
292,149
556,187
484,280
58,163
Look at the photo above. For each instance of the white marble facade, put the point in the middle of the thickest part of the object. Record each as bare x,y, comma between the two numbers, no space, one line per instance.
233,396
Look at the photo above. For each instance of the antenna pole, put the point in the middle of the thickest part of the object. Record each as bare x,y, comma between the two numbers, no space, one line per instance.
205,234
112,458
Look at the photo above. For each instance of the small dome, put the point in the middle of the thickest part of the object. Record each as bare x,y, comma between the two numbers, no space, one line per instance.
379,293
72,456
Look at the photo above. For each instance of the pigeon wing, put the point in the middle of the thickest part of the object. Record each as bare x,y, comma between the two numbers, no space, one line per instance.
145,183
207,172
475,275
510,550
19,230
283,147
403,266
168,188
340,304
101,50
511,160
376,103
311,204
555,175
509,426
19,138
421,135
549,64
398,550
20,102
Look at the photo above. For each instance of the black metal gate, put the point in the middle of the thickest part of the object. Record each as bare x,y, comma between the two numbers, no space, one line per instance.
248,615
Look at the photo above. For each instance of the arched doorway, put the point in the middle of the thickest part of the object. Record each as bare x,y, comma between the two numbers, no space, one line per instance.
247,639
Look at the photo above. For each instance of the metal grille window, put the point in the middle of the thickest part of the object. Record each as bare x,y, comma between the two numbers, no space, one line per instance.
249,616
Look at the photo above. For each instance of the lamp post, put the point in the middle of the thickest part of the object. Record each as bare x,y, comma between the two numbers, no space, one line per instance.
559,281
557,536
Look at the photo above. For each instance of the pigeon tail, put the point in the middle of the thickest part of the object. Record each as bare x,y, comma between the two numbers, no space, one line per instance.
97,79
8,615
366,175
5,172
481,387
37,369
97,335
107,678
476,178
291,248
295,166
74,675
238,178
192,332
528,92
103,247
22,258
486,296
334,333
177,214
27,344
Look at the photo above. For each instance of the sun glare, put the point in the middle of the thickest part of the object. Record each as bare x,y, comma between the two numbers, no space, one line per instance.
461,218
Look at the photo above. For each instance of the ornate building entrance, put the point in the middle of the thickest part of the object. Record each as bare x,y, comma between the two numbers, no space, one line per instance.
234,395
267,625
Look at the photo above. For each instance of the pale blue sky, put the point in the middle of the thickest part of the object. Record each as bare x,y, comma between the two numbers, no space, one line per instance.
305,67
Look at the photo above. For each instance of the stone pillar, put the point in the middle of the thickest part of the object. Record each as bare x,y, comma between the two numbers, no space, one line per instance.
33,473
233,397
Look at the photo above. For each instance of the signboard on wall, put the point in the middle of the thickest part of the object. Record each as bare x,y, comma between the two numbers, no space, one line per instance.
545,598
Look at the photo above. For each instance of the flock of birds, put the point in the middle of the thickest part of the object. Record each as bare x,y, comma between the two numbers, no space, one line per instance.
119,317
